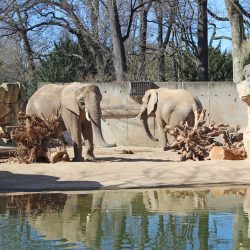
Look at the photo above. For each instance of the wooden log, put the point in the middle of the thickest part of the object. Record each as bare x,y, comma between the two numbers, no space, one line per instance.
224,153
7,152
57,155
56,151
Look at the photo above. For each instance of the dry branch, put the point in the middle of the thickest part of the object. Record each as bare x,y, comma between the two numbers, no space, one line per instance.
196,142
38,139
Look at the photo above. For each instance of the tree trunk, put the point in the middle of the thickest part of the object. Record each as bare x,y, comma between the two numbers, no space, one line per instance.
119,56
161,56
224,153
29,52
143,41
241,47
162,70
202,41
94,17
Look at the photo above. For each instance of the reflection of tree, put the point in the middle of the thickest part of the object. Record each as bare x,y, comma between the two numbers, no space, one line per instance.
14,218
203,230
33,203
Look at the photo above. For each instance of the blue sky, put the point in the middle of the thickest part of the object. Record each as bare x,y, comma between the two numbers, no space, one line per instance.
223,28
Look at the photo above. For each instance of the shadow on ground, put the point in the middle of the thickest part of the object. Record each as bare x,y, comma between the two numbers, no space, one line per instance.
10,182
124,159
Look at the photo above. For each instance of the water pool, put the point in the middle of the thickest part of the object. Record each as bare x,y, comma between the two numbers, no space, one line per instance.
214,218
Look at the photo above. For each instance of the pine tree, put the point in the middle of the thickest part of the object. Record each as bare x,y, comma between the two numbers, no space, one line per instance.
220,65
65,63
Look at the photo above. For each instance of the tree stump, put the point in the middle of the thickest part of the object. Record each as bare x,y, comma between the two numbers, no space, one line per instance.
224,153
56,151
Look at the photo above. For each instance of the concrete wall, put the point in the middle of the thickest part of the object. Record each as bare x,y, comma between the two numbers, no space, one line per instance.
119,109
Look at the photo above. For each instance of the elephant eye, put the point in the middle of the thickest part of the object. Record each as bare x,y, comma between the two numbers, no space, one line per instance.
82,101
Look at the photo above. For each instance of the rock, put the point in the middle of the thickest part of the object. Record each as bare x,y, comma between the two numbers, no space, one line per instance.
124,151
243,89
224,153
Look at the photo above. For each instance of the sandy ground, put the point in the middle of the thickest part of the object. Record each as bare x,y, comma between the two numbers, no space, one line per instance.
147,167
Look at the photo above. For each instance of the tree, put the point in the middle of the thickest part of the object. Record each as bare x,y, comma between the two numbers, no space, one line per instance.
15,19
163,40
202,41
119,37
238,16
119,57
220,65
122,40
143,37
64,64
240,42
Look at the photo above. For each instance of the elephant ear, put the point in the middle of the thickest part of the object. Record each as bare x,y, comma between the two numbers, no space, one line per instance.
151,101
68,99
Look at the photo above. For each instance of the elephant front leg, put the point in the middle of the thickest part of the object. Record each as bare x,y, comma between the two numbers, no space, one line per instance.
87,133
77,143
77,152
72,124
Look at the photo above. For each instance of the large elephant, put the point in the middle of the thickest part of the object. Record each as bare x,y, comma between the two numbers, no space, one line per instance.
170,106
78,105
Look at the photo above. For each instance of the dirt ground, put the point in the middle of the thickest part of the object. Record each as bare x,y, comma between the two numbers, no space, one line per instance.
117,168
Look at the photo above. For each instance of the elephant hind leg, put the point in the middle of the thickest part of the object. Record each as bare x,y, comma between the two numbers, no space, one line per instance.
162,133
87,134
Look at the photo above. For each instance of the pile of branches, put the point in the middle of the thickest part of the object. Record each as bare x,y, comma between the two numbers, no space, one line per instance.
196,142
38,139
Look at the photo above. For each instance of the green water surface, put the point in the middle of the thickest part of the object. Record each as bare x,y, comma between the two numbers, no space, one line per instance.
127,219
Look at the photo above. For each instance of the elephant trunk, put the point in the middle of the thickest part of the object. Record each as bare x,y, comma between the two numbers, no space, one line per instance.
144,119
94,115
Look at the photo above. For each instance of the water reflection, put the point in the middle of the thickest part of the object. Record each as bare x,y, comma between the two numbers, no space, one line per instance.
154,218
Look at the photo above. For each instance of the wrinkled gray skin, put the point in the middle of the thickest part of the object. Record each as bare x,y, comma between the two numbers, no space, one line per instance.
170,106
72,103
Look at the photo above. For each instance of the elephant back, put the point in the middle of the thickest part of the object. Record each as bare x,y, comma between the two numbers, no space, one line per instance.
45,101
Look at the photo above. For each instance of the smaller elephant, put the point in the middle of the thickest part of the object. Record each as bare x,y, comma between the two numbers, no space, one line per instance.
170,106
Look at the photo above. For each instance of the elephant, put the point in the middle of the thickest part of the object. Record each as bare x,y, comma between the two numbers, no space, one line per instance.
78,106
170,106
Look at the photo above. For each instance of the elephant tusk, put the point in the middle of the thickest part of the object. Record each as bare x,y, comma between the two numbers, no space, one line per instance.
138,117
87,116
107,123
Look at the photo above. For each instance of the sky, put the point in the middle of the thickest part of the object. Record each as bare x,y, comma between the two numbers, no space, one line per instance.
223,28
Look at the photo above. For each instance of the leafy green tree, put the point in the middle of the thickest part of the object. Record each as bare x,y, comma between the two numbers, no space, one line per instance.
66,63
220,65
